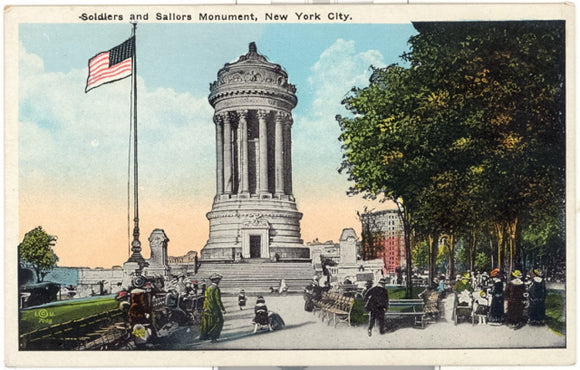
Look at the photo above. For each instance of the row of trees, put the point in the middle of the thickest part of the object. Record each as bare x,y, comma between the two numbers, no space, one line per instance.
467,137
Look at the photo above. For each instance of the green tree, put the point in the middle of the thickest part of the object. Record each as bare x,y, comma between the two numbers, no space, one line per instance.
36,252
482,262
420,255
469,137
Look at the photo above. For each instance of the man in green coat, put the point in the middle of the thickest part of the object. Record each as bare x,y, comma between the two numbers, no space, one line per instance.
212,319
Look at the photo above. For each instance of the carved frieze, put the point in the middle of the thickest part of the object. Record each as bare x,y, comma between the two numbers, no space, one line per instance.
256,220
254,99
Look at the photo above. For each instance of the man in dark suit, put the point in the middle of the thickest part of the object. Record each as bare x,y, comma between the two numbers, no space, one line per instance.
376,302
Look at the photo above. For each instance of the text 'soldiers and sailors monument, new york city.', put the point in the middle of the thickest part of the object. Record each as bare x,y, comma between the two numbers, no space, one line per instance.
254,213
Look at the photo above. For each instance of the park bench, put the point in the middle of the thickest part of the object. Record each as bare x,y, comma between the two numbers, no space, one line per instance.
338,309
321,303
407,308
335,307
431,299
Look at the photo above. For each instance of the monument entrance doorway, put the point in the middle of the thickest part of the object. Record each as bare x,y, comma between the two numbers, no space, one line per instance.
255,246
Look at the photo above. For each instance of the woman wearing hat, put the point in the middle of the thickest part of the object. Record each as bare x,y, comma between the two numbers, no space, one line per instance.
515,300
212,319
496,311
537,292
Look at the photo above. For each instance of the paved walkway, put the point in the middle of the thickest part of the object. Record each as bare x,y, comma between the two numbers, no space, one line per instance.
306,331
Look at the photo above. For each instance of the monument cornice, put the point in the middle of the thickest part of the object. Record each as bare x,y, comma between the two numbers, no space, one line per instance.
227,214
289,99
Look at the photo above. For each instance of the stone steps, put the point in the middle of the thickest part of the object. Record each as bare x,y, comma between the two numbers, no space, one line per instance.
257,278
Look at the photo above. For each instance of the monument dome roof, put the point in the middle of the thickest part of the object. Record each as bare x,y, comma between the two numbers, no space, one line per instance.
251,74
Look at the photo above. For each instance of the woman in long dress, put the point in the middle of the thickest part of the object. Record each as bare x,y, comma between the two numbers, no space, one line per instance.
212,319
496,311
537,291
515,301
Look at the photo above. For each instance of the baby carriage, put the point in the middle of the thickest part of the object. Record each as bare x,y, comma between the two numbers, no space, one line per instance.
276,322
463,306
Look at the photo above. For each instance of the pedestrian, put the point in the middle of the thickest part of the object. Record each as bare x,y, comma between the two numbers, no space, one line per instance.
514,292
496,311
309,296
537,296
212,319
242,299
376,303
180,286
441,286
261,314
283,287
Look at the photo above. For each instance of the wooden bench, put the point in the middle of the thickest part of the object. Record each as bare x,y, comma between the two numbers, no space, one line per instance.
321,303
431,299
404,308
335,306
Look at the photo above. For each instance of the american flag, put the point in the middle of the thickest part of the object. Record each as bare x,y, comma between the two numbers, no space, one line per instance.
112,65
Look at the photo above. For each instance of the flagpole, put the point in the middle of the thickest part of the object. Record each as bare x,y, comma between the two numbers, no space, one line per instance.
135,244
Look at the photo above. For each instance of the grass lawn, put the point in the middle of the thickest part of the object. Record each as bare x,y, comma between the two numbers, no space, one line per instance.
359,316
40,317
555,309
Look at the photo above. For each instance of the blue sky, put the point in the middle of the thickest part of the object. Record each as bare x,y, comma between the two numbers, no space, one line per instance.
73,147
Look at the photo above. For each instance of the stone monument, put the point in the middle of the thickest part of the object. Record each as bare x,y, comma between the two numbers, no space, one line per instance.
254,213
158,261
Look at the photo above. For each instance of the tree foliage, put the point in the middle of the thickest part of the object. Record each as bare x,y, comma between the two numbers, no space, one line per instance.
469,136
36,252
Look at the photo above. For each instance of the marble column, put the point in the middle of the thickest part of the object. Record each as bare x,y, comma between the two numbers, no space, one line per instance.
263,149
243,136
279,154
219,155
288,155
227,154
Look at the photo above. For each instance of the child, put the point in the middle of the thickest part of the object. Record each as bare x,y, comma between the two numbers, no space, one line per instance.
481,305
242,299
261,314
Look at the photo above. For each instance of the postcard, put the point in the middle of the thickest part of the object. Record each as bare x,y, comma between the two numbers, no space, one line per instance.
289,185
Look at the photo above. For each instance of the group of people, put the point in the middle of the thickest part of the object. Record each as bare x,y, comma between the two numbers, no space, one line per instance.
212,318
515,301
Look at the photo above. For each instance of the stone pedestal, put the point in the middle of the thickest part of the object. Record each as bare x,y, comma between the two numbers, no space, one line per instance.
347,242
254,228
158,264
130,271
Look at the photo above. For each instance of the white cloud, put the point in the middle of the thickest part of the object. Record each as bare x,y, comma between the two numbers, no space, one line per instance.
83,138
317,149
338,69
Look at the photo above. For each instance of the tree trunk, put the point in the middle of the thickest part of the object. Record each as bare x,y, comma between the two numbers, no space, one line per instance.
451,256
39,274
434,250
472,250
407,235
500,241
512,230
